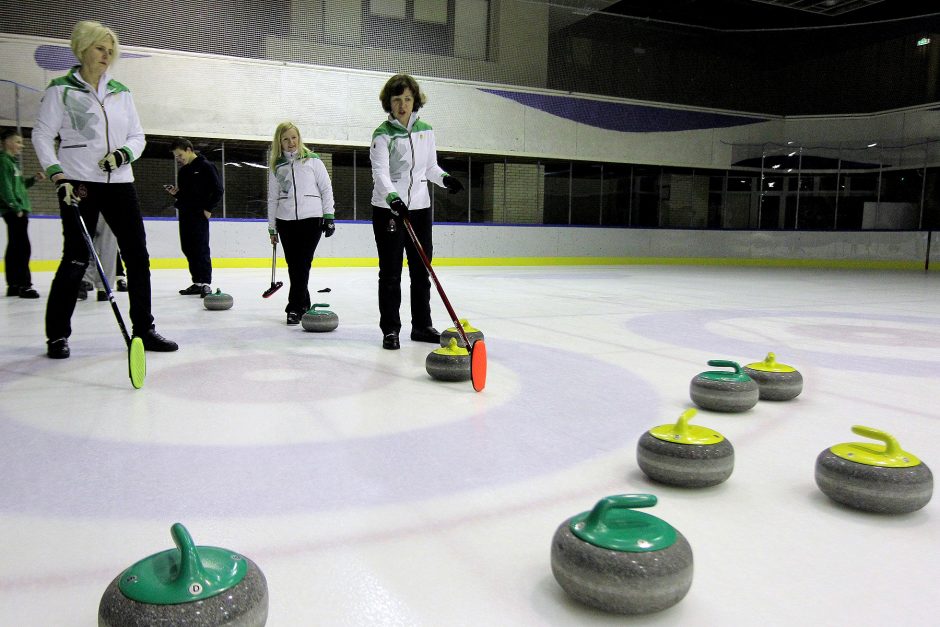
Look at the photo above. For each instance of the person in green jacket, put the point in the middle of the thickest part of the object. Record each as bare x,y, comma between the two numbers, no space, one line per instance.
14,203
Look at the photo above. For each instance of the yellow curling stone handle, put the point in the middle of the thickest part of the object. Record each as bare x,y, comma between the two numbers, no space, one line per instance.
889,455
684,433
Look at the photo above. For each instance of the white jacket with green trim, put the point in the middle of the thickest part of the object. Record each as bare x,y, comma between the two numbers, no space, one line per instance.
403,161
299,188
91,124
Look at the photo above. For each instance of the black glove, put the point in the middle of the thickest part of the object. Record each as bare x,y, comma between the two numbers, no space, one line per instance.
328,227
66,192
452,184
398,207
113,161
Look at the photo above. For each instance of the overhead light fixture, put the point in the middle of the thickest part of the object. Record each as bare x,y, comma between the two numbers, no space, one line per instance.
775,166
873,144
791,154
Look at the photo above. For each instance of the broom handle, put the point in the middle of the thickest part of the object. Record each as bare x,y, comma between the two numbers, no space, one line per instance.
104,278
437,284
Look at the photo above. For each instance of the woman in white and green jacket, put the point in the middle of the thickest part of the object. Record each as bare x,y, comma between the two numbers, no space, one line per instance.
300,208
404,160
95,119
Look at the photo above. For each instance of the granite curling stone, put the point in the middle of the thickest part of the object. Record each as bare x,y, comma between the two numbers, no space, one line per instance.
777,382
685,455
472,334
199,586
719,390
450,363
620,560
319,321
218,301
873,477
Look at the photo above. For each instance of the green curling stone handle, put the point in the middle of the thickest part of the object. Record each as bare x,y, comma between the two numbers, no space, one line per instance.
182,575
613,524
720,375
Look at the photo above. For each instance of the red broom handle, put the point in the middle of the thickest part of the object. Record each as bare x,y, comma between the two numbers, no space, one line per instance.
437,284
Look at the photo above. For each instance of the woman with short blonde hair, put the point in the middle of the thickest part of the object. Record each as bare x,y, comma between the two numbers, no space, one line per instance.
100,135
86,33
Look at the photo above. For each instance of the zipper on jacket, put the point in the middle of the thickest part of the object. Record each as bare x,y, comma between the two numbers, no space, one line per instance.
411,172
294,183
107,132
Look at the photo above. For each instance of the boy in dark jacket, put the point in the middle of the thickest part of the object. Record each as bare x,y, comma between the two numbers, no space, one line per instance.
198,191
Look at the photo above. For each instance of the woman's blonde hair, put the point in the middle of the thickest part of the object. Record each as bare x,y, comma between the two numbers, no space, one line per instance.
276,151
87,33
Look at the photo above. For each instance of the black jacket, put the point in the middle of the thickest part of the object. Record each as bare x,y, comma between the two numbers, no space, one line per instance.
200,188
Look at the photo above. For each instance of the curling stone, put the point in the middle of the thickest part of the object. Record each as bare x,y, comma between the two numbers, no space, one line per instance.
620,560
874,477
777,382
202,586
719,390
450,363
218,301
685,455
319,321
472,334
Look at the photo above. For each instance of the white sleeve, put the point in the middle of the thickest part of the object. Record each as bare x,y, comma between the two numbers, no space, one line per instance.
381,177
434,172
46,128
326,187
272,199
136,140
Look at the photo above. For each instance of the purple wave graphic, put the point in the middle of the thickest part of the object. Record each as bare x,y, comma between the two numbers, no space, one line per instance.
58,58
626,118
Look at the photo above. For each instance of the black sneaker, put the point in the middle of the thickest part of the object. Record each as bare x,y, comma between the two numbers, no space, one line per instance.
293,317
28,292
206,290
192,290
390,342
58,349
121,285
155,342
427,334
102,296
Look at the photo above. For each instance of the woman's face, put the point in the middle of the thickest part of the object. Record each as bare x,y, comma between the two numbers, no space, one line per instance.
98,56
13,145
290,140
403,105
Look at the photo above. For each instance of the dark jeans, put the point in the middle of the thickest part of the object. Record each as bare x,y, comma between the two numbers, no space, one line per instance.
18,250
299,239
194,241
391,245
117,203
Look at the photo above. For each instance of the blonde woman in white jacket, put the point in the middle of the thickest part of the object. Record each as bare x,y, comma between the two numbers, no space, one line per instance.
300,208
95,119
404,160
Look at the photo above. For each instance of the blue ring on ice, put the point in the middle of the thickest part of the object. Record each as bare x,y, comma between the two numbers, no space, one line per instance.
570,408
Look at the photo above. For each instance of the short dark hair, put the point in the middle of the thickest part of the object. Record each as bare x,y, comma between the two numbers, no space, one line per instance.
396,86
182,143
8,131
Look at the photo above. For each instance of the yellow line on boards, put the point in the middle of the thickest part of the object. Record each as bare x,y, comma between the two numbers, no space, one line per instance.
371,262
